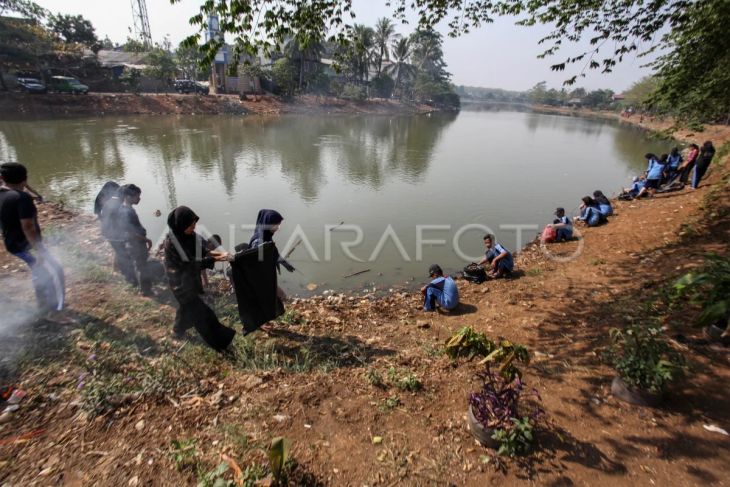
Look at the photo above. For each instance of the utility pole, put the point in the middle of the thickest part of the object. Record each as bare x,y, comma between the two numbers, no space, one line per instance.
141,22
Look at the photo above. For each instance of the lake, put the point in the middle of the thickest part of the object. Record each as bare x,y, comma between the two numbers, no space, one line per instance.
382,196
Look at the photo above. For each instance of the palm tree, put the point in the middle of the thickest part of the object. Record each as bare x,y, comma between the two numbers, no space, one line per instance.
363,41
401,68
384,34
305,53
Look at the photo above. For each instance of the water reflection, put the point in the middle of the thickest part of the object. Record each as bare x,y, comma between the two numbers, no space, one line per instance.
72,155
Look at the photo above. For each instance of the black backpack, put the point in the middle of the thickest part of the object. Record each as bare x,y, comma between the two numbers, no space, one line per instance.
475,273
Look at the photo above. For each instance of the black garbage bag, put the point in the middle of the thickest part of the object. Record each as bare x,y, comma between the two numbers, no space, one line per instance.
254,276
475,273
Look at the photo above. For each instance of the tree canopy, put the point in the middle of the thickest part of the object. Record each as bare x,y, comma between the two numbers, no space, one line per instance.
612,29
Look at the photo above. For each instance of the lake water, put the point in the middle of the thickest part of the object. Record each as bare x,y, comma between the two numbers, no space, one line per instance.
384,180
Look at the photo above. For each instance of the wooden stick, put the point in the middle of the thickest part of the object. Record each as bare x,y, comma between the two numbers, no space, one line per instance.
293,248
356,273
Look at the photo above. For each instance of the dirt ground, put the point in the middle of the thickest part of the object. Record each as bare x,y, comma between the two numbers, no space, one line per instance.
100,104
110,393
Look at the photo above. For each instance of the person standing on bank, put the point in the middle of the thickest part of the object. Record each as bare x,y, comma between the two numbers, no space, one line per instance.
22,238
498,257
703,163
441,291
135,238
186,254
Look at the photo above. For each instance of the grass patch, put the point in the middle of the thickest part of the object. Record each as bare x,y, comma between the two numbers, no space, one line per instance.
534,272
390,403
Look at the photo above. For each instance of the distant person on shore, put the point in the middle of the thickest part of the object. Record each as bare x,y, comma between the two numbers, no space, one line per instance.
499,259
22,238
703,163
686,168
604,204
589,212
135,238
440,292
562,225
186,254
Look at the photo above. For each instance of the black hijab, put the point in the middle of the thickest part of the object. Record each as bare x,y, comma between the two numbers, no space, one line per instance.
179,220
109,189
265,220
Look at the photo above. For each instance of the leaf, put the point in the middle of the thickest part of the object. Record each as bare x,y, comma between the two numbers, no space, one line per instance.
278,456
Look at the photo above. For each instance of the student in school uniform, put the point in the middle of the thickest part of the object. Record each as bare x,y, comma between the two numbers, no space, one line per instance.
499,259
441,291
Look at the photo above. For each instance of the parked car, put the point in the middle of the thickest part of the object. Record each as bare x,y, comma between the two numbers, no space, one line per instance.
189,86
67,84
31,85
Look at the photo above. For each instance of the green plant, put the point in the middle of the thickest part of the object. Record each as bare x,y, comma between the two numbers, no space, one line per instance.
516,440
214,478
505,356
409,382
374,378
468,343
279,458
184,454
389,403
643,359
709,288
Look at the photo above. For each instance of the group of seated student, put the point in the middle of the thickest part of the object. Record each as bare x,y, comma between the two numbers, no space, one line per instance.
594,210
671,171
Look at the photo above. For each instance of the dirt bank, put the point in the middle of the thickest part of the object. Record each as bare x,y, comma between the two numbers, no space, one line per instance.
110,394
96,104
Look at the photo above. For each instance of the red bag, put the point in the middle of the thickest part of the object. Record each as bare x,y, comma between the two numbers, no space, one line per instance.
548,235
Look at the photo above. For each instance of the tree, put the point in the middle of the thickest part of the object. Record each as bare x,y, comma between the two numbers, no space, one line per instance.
401,68
161,65
133,45
189,61
639,93
21,40
384,35
305,55
694,75
74,29
24,8
284,75
614,25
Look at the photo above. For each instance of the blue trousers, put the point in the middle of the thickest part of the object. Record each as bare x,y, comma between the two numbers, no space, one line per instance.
48,280
563,234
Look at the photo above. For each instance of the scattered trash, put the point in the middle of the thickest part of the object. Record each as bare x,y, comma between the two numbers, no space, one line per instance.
377,440
715,429
311,286
140,425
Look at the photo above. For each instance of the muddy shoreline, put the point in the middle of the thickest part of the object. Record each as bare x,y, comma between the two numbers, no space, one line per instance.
21,105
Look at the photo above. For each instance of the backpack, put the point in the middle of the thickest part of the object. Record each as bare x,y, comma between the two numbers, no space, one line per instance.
548,235
475,273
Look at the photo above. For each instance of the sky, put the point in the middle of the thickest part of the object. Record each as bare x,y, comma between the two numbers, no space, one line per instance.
497,55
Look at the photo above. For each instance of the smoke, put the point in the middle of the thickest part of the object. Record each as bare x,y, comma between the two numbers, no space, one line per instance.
16,318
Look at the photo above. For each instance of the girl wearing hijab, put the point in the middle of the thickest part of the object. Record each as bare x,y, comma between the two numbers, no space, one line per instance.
604,204
267,223
186,254
589,213
703,163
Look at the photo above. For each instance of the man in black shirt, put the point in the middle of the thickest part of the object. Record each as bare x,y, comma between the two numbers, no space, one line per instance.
22,237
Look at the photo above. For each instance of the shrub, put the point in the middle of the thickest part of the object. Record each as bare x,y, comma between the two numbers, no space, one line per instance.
353,92
709,288
643,359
